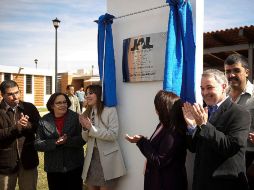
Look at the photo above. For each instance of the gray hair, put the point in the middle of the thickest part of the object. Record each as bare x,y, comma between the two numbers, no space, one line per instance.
217,75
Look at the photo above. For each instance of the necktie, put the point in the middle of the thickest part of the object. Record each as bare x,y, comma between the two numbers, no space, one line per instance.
92,118
212,110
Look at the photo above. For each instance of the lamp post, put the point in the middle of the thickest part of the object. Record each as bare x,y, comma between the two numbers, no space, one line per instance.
36,61
92,70
56,23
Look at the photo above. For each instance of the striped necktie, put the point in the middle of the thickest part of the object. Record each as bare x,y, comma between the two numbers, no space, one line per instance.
93,118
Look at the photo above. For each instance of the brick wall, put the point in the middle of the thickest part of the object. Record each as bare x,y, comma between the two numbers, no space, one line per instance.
19,79
38,90
65,80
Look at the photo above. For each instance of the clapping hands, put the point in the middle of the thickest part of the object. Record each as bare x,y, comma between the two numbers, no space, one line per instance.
85,122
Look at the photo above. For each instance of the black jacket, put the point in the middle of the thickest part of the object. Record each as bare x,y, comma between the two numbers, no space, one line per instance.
166,155
220,146
17,146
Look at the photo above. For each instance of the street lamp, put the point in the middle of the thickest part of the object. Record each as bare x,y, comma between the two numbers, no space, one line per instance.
92,69
56,23
36,60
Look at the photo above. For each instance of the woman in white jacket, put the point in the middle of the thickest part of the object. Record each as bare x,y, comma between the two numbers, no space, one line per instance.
103,162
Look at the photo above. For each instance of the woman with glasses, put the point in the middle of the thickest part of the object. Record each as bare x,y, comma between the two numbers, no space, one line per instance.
165,151
103,162
59,137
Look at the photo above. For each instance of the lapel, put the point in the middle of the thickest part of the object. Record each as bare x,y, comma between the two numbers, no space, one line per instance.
52,127
221,110
69,119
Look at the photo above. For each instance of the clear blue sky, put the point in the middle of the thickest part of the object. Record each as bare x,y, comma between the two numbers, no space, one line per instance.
224,14
27,32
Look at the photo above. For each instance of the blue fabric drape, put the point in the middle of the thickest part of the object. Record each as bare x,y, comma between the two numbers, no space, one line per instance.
106,59
179,72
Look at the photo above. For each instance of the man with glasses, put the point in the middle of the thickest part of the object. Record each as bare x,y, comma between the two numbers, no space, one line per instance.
241,92
18,125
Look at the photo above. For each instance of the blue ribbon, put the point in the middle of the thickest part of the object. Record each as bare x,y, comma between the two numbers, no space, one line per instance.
106,59
179,72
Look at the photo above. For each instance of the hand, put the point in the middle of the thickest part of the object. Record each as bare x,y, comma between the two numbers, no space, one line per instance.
133,139
61,140
200,114
23,121
187,114
85,122
251,137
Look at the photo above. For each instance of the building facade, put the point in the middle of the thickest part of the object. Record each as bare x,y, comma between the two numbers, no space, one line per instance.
36,85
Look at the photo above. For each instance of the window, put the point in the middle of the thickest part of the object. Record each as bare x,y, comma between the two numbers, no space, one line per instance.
29,84
7,76
48,85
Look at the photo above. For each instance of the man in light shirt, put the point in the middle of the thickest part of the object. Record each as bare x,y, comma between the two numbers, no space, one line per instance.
241,92
74,99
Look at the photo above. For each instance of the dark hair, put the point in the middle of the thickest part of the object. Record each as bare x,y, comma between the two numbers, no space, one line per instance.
169,108
52,99
237,58
7,84
97,90
69,86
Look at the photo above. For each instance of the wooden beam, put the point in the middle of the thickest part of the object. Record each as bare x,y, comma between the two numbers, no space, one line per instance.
216,57
226,48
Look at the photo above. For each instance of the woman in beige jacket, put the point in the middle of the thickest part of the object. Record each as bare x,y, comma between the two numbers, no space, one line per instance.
103,162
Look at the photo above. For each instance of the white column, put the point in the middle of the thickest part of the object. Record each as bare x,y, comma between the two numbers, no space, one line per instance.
135,100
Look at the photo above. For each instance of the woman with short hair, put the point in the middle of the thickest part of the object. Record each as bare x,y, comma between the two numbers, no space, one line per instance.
59,137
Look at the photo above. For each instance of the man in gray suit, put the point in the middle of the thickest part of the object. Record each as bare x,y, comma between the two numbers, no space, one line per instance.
219,137
241,92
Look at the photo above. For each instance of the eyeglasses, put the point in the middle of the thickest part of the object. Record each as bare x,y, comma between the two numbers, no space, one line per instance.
60,103
89,93
13,93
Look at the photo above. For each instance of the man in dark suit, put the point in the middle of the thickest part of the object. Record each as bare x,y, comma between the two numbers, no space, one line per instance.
220,140
241,92
18,124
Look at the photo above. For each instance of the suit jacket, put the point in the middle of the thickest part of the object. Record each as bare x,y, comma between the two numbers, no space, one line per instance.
106,135
166,155
15,145
220,146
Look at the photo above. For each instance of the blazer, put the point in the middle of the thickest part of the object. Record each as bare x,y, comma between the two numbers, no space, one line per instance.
220,146
166,155
60,158
106,134
17,146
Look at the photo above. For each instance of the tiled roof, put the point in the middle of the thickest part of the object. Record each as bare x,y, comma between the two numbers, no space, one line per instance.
226,38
